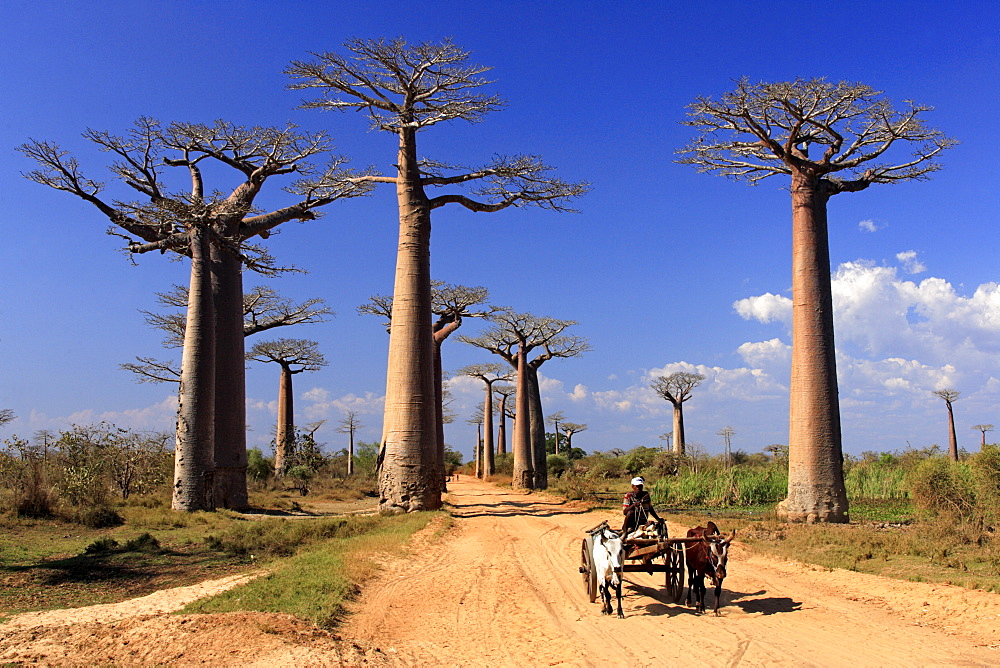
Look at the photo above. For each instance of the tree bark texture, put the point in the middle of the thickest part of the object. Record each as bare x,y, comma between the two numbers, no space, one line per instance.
502,430
350,454
439,408
284,440
678,428
537,429
194,454
816,491
409,479
489,464
952,438
230,382
524,463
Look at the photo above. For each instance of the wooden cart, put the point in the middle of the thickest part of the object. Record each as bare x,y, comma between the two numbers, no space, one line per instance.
641,555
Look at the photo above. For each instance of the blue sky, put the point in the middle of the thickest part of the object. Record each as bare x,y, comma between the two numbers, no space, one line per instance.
665,269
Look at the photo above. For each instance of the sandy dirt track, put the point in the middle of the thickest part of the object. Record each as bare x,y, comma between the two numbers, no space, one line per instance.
502,588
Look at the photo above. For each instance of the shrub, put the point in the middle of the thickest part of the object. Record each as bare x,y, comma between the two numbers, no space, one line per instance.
99,517
504,464
557,464
102,546
938,484
259,467
145,542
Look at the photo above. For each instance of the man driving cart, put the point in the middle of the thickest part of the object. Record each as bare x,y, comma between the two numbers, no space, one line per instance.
637,508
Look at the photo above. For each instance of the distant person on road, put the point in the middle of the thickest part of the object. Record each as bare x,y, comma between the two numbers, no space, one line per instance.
637,507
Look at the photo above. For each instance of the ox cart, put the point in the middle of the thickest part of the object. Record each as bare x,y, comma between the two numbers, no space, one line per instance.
659,554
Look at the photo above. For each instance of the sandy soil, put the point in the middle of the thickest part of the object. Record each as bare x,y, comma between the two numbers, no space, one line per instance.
502,589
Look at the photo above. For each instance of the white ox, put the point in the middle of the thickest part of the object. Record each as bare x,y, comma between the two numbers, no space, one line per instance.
608,567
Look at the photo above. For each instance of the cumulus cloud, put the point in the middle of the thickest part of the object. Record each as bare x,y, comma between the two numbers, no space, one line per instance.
910,262
869,225
765,308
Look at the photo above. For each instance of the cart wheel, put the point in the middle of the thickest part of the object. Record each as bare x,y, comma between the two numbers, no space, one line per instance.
675,573
587,568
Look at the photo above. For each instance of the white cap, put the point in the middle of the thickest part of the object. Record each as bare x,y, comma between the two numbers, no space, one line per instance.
638,480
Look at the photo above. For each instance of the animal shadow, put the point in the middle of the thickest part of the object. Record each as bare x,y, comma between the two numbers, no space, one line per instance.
750,603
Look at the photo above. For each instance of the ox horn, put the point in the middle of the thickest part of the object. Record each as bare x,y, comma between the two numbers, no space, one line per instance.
730,539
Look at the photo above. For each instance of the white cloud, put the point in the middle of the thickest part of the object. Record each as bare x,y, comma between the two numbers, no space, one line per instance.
868,225
910,262
765,308
579,393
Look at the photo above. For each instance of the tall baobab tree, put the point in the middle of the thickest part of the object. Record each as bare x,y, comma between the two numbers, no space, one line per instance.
983,428
766,129
555,419
476,418
727,434
293,356
214,230
450,304
406,89
677,388
489,374
570,428
950,396
348,425
513,336
505,392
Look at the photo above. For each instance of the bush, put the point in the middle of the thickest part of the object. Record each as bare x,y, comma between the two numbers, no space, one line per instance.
142,543
557,464
102,546
504,464
938,484
259,467
99,517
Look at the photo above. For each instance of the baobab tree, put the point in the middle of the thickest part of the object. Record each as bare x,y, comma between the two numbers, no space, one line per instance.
555,419
505,392
406,89
293,356
727,434
348,425
489,374
513,336
263,309
450,304
476,418
6,415
761,130
950,396
983,428
214,230
677,388
570,428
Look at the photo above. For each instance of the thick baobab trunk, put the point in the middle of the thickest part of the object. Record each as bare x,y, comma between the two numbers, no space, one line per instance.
952,439
555,429
439,408
284,440
489,464
678,428
194,454
230,382
409,479
816,491
537,429
524,463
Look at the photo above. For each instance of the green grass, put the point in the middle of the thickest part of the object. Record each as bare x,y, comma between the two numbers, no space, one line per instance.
317,582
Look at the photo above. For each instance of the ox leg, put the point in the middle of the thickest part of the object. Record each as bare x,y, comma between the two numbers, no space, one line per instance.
718,597
618,592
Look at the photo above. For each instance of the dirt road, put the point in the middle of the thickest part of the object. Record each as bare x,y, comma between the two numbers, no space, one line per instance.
502,589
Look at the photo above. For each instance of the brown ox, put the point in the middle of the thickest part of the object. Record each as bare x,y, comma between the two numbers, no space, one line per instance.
707,556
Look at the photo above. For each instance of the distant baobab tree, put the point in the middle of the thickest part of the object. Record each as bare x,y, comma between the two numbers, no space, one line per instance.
570,428
677,388
450,304
950,396
6,415
983,428
348,425
555,419
727,433
214,229
405,89
293,356
503,410
489,374
765,129
513,336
